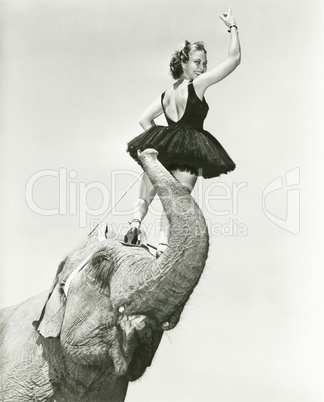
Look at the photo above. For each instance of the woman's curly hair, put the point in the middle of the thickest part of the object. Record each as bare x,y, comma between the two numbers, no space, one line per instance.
182,56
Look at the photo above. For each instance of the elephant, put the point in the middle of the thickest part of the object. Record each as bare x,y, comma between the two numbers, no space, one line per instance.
101,323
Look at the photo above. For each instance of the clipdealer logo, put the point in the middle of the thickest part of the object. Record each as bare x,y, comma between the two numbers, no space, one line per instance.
73,199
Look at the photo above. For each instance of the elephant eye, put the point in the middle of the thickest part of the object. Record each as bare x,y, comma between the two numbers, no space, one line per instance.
99,271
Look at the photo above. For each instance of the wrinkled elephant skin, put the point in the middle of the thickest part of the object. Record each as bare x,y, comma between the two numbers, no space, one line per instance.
99,328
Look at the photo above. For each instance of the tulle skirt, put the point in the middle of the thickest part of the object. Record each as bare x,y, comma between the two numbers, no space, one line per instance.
184,148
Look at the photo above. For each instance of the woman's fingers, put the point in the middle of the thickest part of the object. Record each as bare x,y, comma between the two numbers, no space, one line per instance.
227,17
222,17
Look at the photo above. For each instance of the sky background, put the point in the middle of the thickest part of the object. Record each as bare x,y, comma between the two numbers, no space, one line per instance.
75,77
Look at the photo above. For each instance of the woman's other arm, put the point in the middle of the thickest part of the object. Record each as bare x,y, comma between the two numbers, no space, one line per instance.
146,120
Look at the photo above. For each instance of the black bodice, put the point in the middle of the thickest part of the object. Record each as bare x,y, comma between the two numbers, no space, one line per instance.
195,111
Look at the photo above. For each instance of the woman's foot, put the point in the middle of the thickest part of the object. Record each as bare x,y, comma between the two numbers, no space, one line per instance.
131,237
160,249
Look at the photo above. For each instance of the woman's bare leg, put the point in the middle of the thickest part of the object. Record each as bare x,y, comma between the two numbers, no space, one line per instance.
145,197
140,208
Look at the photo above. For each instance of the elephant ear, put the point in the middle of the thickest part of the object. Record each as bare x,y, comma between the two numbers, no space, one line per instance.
50,321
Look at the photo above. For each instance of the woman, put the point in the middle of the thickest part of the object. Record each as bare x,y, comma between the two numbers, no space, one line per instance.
184,147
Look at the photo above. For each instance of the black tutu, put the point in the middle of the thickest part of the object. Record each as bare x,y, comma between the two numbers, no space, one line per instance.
184,144
184,148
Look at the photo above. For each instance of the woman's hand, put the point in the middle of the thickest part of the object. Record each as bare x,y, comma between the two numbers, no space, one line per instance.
228,18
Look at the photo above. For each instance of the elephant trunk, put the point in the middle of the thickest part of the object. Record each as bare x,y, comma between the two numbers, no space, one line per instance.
163,286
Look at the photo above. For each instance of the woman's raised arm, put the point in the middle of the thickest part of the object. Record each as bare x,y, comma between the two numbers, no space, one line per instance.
233,59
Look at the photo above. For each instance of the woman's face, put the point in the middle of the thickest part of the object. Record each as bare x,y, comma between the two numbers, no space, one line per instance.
196,65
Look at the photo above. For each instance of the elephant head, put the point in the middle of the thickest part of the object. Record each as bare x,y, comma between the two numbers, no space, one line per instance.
121,299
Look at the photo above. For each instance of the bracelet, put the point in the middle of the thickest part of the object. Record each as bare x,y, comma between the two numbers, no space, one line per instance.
232,26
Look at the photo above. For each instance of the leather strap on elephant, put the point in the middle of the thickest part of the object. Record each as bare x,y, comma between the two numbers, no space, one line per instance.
73,273
68,282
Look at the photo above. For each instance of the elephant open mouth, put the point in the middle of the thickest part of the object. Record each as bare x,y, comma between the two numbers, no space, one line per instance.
132,322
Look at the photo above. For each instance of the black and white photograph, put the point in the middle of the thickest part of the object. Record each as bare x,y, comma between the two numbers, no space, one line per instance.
161,209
